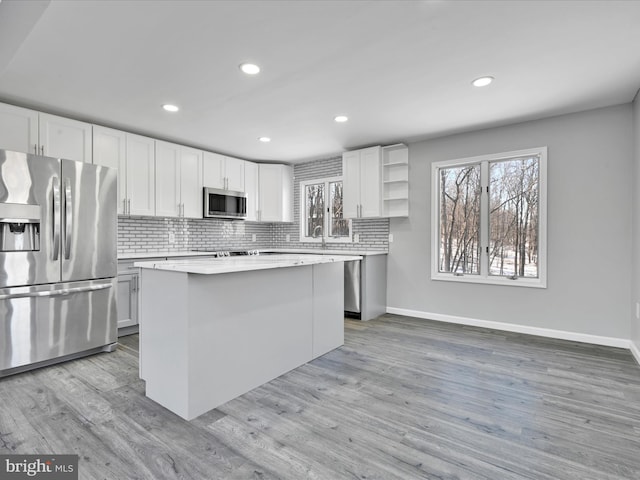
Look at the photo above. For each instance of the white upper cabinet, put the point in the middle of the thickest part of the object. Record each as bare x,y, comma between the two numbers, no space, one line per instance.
362,183
109,150
178,181
140,175
251,189
29,131
235,174
65,138
275,186
191,182
225,173
168,202
213,170
19,129
133,156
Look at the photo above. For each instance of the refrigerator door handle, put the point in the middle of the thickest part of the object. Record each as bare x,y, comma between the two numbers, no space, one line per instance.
55,293
68,218
56,217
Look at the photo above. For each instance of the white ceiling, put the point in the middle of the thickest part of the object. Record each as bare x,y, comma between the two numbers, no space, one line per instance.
401,70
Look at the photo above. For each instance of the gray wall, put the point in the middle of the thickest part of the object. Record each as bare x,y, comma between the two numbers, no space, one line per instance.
590,161
635,297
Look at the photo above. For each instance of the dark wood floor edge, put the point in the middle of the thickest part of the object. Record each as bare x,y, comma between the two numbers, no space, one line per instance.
563,335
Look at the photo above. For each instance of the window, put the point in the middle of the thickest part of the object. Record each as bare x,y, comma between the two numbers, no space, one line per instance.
489,219
322,213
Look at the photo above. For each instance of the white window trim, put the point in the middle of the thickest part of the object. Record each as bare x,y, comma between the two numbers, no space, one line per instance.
484,277
303,216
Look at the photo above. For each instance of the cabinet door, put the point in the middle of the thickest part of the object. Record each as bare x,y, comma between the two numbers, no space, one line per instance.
127,299
275,186
141,174
351,183
370,183
65,138
191,182
213,170
18,129
270,191
235,174
251,189
109,150
167,179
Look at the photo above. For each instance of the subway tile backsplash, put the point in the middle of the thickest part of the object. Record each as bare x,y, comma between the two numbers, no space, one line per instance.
148,234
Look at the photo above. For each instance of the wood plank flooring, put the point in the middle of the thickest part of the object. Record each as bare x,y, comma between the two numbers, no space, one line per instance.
403,399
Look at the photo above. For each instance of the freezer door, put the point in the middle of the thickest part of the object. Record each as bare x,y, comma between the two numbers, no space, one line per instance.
45,323
89,221
29,206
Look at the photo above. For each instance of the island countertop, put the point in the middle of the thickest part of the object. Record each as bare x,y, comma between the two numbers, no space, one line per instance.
212,266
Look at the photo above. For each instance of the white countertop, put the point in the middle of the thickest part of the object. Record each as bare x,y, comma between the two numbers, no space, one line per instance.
162,253
212,266
317,251
192,253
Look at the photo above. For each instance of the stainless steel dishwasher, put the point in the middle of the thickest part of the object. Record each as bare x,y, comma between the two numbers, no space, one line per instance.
352,294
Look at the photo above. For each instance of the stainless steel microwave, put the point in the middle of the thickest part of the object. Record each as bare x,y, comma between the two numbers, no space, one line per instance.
224,204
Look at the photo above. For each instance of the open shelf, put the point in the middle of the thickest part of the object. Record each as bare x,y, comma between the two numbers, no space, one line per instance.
395,180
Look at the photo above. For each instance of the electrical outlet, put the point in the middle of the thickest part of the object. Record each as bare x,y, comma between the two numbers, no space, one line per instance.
391,238
287,238
253,237
172,238
356,238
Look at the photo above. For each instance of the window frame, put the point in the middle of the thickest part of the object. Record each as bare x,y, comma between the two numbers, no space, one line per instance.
483,277
327,217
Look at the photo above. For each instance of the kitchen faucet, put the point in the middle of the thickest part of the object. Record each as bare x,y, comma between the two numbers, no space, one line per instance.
315,235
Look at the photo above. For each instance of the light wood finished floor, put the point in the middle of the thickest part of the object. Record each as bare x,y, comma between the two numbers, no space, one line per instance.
403,399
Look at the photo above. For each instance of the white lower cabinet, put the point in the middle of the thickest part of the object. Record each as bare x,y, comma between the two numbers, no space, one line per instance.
127,298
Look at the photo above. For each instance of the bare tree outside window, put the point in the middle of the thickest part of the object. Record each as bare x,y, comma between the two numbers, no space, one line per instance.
339,224
314,195
322,219
513,217
460,219
489,219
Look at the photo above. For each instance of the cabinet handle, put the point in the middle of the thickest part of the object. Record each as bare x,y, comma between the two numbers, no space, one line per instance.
35,148
124,206
128,206
42,150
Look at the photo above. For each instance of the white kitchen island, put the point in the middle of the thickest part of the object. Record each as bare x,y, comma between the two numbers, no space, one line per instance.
215,328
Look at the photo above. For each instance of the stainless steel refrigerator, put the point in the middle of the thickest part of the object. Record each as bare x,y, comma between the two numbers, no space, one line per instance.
58,263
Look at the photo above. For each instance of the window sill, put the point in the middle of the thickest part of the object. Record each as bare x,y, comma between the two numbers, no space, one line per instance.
505,282
327,241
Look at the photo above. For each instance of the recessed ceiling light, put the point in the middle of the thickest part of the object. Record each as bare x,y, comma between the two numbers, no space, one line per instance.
341,118
250,68
170,108
264,139
482,81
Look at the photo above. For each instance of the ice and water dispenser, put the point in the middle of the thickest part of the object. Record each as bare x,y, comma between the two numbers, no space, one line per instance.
19,227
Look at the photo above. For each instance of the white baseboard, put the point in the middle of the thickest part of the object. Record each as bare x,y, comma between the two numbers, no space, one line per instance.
635,351
513,327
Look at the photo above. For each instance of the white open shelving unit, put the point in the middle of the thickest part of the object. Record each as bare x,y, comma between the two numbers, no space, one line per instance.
395,180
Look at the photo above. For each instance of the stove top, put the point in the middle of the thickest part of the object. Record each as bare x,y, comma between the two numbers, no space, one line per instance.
228,253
